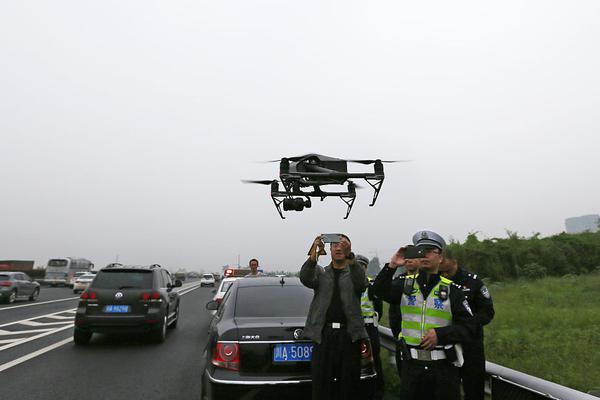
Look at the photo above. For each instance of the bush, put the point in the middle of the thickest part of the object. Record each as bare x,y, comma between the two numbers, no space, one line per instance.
534,271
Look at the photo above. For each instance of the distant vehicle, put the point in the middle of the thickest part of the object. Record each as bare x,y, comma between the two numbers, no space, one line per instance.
217,277
60,271
75,276
181,275
207,280
16,265
124,299
261,350
223,288
17,284
82,282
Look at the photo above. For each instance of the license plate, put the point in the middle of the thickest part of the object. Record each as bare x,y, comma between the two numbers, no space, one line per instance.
116,309
292,352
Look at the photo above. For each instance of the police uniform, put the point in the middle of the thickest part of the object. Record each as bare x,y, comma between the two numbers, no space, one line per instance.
428,301
477,294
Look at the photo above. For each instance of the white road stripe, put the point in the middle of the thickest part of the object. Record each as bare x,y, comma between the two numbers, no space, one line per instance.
38,304
29,356
39,316
20,342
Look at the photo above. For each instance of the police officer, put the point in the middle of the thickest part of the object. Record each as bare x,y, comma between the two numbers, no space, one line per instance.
472,372
372,311
395,317
435,318
334,321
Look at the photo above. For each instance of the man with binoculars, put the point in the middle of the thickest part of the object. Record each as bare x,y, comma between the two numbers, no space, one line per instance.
435,319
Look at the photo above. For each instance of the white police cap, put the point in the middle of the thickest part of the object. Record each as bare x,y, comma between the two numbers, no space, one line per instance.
428,238
362,260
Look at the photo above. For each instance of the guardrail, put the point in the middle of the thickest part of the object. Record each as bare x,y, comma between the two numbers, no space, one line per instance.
508,384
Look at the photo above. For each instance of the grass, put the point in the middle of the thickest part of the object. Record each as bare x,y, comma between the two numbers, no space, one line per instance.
549,328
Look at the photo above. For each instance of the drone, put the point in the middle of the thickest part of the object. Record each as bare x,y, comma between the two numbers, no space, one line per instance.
302,178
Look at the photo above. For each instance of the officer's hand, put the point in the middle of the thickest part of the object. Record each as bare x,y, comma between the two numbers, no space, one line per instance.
398,258
430,340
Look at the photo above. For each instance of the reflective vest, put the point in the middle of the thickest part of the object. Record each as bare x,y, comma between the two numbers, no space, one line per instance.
419,314
366,305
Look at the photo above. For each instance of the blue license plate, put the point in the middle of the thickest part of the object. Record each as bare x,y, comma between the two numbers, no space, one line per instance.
292,352
116,309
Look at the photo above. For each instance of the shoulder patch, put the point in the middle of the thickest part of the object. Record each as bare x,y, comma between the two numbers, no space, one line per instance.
466,305
485,292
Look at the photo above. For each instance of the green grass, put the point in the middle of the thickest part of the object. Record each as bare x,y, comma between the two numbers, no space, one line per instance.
549,328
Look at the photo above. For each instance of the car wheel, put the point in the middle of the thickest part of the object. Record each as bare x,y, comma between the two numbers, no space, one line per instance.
34,295
12,297
81,337
160,334
176,319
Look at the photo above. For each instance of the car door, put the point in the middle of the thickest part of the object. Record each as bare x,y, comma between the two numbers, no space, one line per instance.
28,282
22,287
172,293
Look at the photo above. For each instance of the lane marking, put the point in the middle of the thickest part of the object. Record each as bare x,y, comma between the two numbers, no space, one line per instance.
29,356
39,316
20,342
37,304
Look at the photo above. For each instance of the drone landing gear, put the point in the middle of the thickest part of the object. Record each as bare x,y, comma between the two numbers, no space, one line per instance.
376,185
349,200
277,203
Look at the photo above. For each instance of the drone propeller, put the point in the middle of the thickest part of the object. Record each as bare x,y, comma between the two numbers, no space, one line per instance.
259,182
367,162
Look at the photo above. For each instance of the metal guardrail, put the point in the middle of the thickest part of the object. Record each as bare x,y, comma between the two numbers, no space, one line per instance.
508,384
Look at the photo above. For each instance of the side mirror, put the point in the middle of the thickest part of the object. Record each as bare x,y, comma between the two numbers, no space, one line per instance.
212,305
178,283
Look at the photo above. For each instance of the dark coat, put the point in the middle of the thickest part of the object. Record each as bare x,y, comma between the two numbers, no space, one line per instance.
352,283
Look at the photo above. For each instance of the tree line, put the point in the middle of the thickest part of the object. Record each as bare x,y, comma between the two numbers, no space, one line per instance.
514,257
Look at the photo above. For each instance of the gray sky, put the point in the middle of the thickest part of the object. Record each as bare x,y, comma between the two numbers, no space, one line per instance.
126,126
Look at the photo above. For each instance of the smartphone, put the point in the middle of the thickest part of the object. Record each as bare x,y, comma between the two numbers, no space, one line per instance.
414,252
331,238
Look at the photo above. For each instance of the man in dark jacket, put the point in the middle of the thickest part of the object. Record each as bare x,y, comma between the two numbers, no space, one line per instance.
334,321
472,372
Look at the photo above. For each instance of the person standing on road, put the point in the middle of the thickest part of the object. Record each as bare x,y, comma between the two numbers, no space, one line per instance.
254,272
334,321
411,267
372,312
472,372
435,318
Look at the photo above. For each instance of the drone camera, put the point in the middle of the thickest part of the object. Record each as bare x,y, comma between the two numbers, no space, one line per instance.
296,204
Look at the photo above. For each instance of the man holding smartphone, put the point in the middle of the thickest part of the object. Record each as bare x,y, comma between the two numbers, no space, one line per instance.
334,322
435,317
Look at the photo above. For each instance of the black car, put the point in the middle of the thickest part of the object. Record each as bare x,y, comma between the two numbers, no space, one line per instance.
128,299
256,347
17,284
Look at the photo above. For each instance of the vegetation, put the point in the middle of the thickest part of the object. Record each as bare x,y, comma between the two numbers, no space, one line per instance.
514,257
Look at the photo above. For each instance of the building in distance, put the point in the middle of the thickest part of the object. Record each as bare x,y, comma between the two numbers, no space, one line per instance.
585,223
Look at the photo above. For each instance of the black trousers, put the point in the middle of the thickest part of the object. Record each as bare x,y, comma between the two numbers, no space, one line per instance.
337,357
435,380
472,372
376,392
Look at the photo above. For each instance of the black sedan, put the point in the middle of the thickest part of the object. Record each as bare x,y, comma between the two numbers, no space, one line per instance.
256,347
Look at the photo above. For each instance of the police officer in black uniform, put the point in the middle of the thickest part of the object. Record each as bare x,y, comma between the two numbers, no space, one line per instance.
435,319
472,372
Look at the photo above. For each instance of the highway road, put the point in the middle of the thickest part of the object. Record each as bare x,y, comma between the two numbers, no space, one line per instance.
38,359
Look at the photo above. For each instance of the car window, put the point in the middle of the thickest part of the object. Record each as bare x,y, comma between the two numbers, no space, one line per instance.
20,277
208,276
26,277
166,278
225,286
123,279
273,301
223,304
4,277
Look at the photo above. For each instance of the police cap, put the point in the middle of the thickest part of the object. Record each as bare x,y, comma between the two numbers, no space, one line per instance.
429,238
362,260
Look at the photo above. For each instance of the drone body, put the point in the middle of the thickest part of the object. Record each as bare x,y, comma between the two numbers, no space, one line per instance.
302,178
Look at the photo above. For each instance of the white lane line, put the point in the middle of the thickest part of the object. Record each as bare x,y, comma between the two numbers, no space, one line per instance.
29,356
38,304
39,316
11,333
20,342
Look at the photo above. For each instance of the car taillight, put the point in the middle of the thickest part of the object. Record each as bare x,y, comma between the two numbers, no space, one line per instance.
227,355
366,356
5,283
151,297
89,295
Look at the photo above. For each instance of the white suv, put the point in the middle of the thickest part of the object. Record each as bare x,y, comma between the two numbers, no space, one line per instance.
207,280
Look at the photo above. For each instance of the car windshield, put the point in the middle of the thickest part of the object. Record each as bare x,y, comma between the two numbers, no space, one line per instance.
273,301
123,279
87,276
208,276
4,278
225,286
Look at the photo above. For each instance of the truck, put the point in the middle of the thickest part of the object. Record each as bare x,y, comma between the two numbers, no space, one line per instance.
16,265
